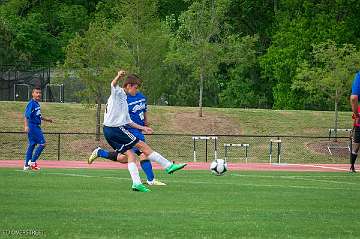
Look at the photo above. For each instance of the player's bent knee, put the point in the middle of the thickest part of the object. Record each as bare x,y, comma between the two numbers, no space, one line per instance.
143,157
130,156
122,158
144,148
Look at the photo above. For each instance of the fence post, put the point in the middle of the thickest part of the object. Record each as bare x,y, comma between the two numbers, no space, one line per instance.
194,139
206,149
58,153
279,149
350,144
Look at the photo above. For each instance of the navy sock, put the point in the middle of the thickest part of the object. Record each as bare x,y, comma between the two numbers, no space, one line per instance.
107,154
147,168
103,153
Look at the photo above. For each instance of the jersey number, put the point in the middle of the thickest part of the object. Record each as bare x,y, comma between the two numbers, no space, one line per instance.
141,115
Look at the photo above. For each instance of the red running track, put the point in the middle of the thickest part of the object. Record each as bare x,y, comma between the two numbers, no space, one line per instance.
190,166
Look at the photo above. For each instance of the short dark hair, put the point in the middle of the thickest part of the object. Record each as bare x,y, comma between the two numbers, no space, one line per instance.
132,79
36,88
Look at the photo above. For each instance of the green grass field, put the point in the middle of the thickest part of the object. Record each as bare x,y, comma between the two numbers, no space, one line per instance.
69,203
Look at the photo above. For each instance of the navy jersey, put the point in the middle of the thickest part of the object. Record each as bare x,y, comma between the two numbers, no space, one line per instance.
33,113
356,85
137,108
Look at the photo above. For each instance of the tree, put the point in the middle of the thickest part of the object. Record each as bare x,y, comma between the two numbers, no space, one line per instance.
197,44
95,58
239,88
133,41
39,31
205,49
330,72
8,53
298,25
143,38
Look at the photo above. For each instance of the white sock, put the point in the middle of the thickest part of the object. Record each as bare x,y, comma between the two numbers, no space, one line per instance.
156,157
134,173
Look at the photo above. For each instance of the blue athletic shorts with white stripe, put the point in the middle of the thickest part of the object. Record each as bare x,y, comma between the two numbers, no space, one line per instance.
119,138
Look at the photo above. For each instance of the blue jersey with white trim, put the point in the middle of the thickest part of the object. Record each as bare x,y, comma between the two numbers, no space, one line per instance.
356,85
137,108
33,113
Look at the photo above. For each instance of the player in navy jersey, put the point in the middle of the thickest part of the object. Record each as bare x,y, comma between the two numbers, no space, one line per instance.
32,123
138,114
354,101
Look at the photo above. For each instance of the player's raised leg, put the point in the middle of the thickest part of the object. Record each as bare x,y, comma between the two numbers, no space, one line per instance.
106,154
121,158
148,170
156,157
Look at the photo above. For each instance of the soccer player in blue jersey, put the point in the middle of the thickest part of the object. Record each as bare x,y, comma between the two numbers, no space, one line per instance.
116,118
354,101
32,123
138,114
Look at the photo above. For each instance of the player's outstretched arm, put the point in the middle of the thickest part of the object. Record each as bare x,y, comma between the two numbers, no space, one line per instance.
47,119
145,129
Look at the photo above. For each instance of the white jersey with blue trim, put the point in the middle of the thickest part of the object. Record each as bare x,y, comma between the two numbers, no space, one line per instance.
116,111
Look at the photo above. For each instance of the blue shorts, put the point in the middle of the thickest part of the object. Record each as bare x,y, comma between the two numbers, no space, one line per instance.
119,138
139,135
35,135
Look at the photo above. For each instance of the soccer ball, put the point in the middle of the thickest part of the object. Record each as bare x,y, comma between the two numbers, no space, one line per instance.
218,167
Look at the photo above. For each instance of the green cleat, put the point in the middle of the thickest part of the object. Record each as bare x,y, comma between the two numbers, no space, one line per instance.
140,188
175,167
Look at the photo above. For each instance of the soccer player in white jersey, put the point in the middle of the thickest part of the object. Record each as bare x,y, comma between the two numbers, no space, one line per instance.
121,140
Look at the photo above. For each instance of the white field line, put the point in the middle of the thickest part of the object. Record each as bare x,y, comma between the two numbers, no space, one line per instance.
79,175
88,176
295,176
319,166
207,183
305,178
328,181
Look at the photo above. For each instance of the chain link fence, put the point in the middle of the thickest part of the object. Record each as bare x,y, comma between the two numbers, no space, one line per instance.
187,148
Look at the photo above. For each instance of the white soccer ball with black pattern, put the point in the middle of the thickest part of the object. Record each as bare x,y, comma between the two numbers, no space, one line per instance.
218,167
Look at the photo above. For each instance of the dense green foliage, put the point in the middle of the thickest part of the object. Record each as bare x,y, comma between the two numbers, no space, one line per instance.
85,203
227,53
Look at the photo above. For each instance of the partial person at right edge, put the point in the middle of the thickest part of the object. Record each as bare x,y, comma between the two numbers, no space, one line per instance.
354,101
